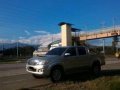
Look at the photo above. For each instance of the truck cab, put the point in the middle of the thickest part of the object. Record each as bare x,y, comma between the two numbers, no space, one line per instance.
65,60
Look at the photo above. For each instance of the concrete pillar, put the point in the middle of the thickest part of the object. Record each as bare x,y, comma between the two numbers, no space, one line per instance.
66,37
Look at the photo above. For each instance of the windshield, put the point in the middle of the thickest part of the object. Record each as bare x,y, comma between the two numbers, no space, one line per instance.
56,51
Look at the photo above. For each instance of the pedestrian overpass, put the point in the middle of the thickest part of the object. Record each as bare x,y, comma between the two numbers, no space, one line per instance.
101,33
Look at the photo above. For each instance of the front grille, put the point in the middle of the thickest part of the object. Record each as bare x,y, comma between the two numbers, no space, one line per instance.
31,69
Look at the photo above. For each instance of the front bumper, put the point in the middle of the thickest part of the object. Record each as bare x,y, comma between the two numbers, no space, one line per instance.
38,69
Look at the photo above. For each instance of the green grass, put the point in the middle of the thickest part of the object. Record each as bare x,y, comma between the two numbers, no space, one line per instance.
108,80
101,83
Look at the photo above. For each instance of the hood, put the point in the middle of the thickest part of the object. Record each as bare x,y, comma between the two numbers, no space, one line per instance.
49,58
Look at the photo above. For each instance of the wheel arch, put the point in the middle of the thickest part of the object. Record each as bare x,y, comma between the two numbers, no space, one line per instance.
57,66
96,67
96,62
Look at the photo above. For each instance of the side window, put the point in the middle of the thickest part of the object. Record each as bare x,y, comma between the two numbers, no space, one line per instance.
72,51
81,51
56,51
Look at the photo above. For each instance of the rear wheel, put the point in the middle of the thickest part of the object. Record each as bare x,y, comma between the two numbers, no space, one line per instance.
56,74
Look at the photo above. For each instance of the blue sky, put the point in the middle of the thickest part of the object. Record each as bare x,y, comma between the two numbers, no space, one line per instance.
29,18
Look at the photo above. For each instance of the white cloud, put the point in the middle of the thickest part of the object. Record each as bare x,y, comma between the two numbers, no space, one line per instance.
21,37
42,32
27,32
40,39
44,39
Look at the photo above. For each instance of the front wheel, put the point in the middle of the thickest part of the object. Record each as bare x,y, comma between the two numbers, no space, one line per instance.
56,74
96,69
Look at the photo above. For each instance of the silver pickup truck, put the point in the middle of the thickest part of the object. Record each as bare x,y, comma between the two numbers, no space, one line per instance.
65,60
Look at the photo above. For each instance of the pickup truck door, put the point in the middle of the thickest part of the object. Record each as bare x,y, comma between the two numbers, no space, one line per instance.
70,57
83,59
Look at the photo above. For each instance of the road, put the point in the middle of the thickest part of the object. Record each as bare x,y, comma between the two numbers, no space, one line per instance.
12,69
22,81
14,76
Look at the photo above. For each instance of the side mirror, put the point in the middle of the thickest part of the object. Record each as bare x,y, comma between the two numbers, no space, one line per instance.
88,51
67,54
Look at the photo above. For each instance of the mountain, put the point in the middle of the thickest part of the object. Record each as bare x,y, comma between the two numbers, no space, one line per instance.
13,45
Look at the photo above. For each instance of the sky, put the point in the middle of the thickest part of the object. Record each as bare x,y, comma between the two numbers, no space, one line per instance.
27,20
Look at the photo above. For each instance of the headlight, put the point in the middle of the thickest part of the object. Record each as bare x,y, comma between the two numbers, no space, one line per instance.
42,62
37,62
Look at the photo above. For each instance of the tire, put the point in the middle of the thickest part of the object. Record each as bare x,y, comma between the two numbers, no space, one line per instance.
56,74
96,69
36,76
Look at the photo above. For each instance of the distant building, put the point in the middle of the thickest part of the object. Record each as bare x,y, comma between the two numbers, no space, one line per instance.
55,44
42,50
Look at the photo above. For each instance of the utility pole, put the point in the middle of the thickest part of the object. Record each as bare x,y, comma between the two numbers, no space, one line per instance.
52,38
103,26
86,34
114,23
104,46
114,37
17,48
2,47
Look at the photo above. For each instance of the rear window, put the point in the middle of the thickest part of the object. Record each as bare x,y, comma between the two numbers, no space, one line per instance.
56,51
81,50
